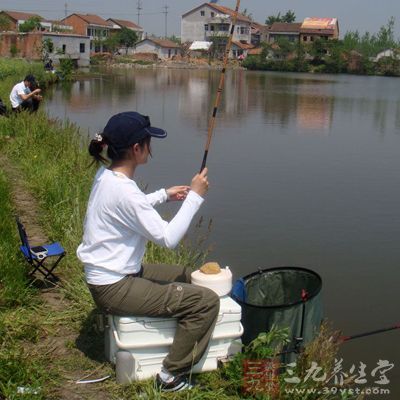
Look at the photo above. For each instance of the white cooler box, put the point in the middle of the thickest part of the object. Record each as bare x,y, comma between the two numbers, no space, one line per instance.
138,345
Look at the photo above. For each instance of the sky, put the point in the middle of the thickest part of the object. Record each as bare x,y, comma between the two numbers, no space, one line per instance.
361,15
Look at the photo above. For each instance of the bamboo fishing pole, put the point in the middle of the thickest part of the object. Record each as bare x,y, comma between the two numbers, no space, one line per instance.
220,87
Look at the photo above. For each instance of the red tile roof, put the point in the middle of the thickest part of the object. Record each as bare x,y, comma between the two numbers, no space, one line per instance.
125,23
285,27
163,42
17,15
92,19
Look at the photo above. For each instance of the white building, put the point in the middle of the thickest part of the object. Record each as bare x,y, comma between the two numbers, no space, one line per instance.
162,47
210,20
74,47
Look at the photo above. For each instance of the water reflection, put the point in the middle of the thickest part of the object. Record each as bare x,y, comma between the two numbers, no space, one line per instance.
301,104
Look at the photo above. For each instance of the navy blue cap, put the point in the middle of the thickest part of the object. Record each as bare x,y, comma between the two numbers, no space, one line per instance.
127,128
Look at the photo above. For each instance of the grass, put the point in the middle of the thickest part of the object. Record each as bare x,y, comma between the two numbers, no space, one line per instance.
53,158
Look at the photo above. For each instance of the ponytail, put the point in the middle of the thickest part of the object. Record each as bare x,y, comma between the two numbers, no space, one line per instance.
96,147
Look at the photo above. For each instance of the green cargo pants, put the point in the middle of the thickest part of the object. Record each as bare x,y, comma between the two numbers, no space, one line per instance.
164,291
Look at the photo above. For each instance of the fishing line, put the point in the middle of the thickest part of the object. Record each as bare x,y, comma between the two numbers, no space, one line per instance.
220,87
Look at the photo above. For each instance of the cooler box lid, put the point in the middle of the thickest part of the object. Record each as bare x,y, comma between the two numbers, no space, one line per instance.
139,329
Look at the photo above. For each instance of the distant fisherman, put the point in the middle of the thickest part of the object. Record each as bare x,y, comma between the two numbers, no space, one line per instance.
25,95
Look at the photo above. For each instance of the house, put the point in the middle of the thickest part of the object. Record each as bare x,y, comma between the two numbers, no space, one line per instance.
199,49
69,45
284,30
62,45
97,28
163,48
17,18
118,24
259,33
240,50
209,21
319,28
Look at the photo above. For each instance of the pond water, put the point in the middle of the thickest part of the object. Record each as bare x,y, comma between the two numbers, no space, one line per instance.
304,170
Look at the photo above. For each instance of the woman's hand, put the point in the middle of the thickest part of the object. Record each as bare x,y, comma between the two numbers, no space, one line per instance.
177,193
200,183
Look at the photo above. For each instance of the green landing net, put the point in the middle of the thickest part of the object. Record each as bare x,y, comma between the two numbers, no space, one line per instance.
287,297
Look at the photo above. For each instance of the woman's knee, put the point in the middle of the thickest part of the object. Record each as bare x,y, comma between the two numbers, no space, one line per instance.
211,300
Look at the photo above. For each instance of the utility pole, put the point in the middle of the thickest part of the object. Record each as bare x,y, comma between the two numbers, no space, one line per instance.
139,8
166,19
66,10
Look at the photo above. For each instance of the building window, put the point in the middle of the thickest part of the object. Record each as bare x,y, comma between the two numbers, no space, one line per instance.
212,28
169,53
202,13
238,29
206,27
304,38
312,38
64,48
82,47
212,14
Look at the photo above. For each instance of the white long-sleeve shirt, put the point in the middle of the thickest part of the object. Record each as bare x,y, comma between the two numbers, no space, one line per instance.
120,219
16,92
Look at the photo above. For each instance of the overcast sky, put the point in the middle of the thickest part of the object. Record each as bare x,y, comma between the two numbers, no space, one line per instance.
361,15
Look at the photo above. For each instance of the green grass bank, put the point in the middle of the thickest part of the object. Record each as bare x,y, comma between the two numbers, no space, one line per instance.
52,156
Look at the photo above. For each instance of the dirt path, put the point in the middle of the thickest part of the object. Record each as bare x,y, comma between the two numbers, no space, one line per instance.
58,345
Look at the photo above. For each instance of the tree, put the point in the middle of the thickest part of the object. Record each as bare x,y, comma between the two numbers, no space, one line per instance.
289,17
284,49
126,37
30,25
4,23
273,18
318,50
110,44
46,48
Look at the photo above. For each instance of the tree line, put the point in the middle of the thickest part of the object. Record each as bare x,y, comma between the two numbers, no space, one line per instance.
355,53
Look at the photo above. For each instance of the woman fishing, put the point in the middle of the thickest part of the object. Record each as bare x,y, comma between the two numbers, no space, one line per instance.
120,219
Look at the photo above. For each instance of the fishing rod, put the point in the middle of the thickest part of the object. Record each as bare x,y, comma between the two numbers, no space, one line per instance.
360,335
220,87
297,348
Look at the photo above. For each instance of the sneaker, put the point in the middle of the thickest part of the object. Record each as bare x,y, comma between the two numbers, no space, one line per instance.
177,384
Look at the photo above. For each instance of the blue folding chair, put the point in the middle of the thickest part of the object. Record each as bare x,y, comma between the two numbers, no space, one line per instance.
38,256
